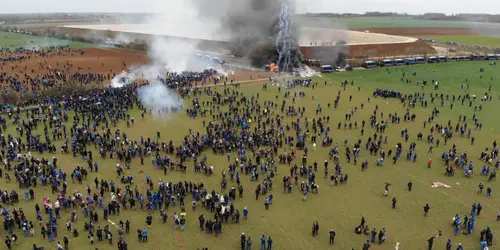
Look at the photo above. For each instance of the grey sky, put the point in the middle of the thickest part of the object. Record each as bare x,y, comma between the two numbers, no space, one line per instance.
337,6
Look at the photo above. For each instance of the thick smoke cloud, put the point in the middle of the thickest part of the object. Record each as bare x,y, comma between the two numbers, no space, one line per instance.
251,27
159,99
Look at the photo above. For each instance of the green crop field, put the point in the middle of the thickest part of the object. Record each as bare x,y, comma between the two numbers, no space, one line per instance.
469,40
55,24
340,207
9,39
396,22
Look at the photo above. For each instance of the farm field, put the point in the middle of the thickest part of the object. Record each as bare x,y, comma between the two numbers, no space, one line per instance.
14,40
46,25
387,22
469,40
340,207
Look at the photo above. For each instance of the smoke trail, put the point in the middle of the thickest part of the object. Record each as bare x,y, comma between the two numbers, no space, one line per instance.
159,99
283,38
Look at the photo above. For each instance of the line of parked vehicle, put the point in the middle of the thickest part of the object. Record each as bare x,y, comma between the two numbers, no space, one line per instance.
430,59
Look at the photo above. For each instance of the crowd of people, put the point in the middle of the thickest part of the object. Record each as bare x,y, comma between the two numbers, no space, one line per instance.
258,136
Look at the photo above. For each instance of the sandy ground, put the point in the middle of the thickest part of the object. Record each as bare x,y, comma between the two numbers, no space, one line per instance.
445,51
441,50
307,35
321,37
192,29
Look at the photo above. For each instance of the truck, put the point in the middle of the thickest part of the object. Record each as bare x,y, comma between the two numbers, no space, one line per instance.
327,69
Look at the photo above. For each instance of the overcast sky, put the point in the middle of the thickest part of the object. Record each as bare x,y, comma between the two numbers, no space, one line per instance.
336,6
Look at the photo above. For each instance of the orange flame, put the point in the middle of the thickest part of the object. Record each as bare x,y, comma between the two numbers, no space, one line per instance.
273,67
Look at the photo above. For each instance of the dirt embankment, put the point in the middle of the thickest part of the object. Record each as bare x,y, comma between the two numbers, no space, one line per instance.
396,49
372,50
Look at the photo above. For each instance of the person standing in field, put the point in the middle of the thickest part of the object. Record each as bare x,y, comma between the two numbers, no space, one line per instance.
269,243
243,241
430,242
263,242
332,237
426,209
249,243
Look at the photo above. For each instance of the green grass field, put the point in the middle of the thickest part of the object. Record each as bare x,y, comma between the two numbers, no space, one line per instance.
340,207
35,25
396,22
469,40
8,39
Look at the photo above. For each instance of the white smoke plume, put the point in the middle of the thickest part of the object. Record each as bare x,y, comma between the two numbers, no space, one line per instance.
38,43
120,80
159,99
178,56
305,71
155,96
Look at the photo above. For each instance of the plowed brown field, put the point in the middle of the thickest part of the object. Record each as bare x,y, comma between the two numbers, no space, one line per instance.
95,60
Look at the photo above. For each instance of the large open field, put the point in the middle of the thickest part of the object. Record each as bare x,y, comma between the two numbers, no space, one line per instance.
470,33
48,24
389,22
288,220
14,40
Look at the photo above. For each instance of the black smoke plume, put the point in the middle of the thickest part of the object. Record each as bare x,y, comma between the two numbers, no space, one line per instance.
251,27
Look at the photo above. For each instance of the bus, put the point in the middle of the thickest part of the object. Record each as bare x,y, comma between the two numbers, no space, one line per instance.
491,57
387,63
410,61
399,62
327,69
369,64
443,59
432,59
420,60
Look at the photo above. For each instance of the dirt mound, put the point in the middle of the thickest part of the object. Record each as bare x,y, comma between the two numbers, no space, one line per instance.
396,49
421,31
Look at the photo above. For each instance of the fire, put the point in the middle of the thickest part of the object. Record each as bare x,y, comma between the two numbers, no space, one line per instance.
273,67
